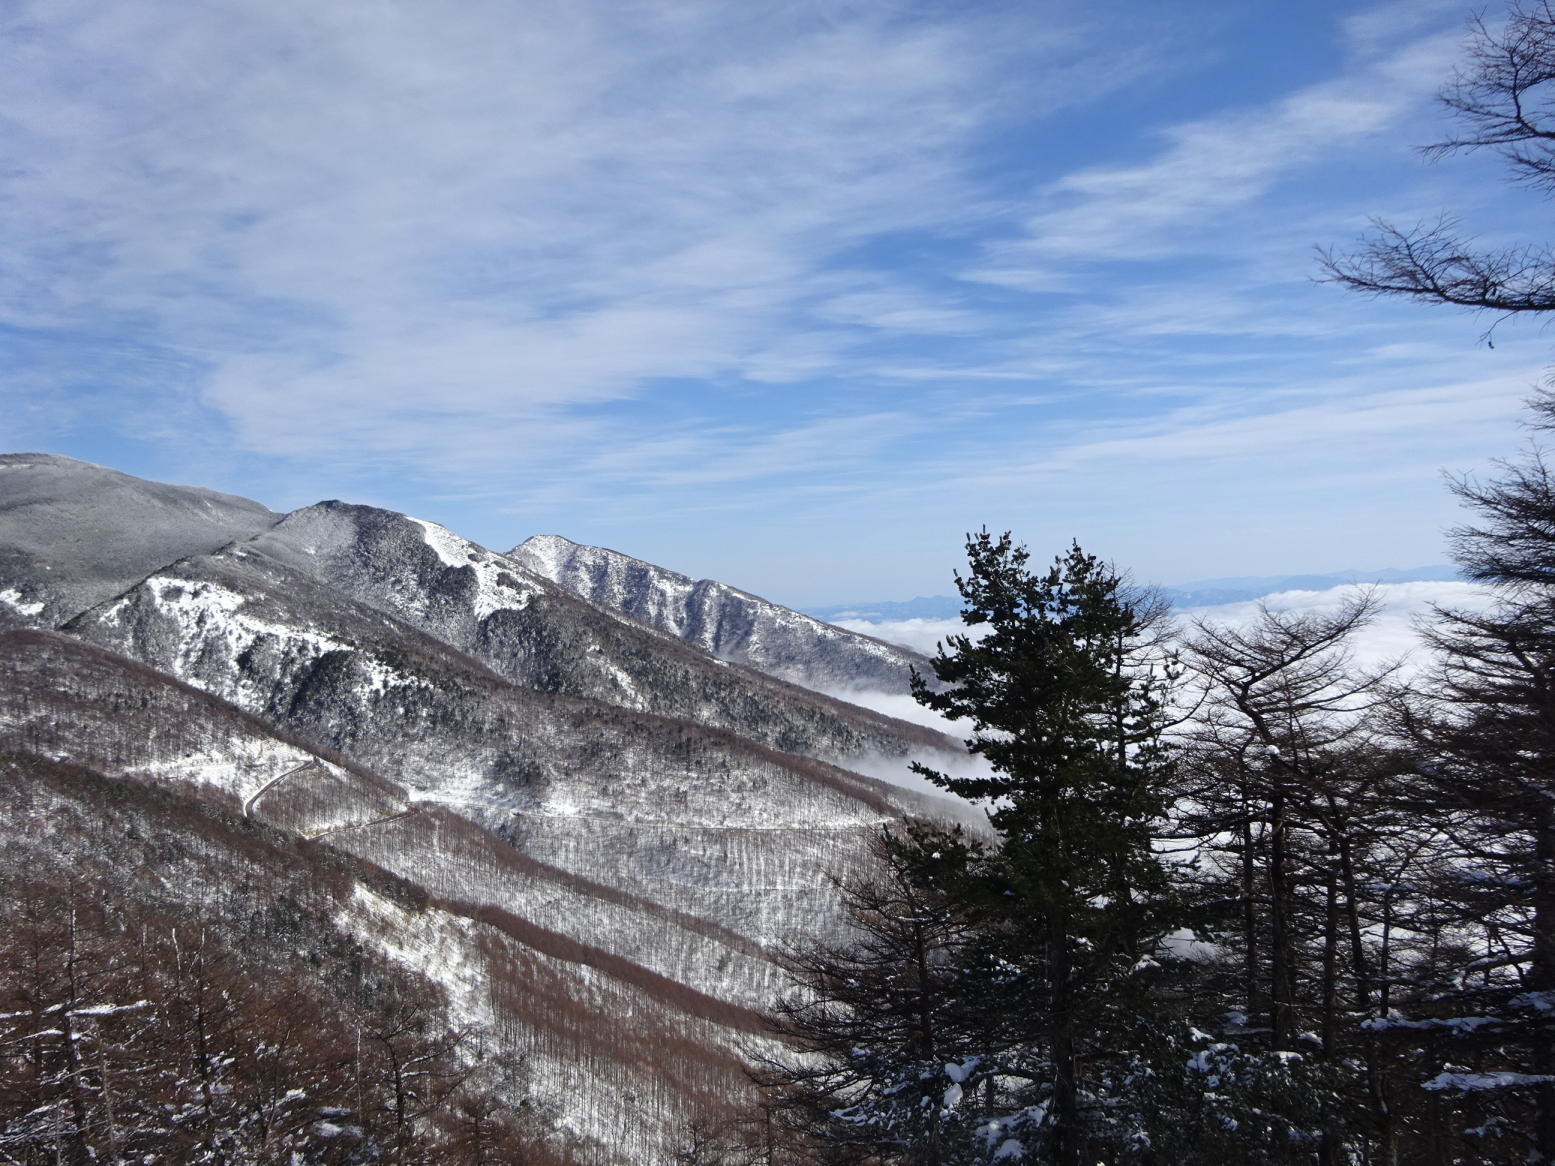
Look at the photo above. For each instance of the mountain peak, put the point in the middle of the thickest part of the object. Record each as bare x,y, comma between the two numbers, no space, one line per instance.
733,625
73,534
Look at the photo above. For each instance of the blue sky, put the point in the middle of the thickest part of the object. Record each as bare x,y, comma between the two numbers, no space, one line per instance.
790,294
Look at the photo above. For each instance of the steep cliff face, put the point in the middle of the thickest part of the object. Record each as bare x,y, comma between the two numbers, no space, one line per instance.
729,624
605,828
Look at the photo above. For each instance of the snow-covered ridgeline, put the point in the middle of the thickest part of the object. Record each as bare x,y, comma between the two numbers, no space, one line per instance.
731,624
497,588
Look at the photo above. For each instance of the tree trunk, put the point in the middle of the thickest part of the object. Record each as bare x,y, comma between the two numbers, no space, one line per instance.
1541,978
1281,970
1250,970
1066,1107
1330,994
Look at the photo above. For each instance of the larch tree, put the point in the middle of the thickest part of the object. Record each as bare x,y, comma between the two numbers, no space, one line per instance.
1485,726
1283,775
1486,722
1504,102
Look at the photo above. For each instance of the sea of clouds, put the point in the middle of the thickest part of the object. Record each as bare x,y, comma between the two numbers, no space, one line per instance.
1393,632
1392,635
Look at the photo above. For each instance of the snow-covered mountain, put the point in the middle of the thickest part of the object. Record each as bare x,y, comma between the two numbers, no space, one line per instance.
603,827
732,625
74,534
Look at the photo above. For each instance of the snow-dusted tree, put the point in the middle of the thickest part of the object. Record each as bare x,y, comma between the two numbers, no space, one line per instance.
1282,779
884,1024
133,1034
1068,714
1487,730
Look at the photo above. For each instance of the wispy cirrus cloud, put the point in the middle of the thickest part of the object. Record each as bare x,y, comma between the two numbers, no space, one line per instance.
1208,168
839,271
432,229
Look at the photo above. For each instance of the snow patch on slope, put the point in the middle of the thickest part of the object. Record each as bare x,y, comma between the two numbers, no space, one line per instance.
444,541
12,598
212,608
242,766
497,588
546,553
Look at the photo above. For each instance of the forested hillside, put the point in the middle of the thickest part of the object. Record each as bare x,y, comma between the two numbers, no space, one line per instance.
591,839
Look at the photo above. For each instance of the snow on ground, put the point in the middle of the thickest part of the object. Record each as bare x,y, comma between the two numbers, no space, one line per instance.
216,609
493,593
12,598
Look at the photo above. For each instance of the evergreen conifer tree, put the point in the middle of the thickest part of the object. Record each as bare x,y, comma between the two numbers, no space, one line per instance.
886,1022
1067,711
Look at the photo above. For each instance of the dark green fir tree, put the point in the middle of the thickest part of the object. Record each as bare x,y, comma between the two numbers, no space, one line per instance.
1064,691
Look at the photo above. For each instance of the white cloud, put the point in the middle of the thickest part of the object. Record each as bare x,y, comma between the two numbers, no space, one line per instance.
1212,166
921,635
1227,430
632,263
1391,635
420,231
895,769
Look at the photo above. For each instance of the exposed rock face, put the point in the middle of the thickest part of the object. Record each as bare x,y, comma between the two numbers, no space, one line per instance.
604,826
730,624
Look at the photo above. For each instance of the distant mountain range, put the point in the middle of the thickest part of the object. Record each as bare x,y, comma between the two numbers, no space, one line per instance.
587,796
1201,593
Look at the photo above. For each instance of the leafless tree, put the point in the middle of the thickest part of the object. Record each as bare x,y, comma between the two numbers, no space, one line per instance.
1504,100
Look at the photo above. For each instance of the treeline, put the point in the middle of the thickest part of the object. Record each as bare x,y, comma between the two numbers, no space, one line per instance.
1246,900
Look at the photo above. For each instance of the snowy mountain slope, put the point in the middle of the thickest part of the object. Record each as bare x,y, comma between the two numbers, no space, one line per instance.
687,814
587,819
73,534
301,906
730,624
540,635
509,938
61,697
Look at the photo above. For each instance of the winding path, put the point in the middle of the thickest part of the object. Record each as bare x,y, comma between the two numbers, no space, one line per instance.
254,797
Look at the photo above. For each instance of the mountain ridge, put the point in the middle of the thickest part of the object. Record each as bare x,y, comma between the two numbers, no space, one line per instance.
732,625
584,815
